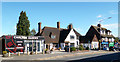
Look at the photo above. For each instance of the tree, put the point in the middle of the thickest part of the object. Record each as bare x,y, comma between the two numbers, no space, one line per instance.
23,25
116,39
32,32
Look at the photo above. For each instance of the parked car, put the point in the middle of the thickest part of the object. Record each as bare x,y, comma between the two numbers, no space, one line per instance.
113,49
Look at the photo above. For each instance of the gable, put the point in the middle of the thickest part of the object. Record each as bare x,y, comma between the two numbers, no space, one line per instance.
71,34
95,38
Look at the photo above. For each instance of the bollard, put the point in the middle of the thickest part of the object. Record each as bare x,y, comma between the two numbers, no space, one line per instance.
18,53
36,52
9,54
27,52
43,51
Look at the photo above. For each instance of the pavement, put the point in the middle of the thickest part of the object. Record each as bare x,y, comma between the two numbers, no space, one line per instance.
54,55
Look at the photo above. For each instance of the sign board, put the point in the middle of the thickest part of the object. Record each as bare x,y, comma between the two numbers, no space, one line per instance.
111,44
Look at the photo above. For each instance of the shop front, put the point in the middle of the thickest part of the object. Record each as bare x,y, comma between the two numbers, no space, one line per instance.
105,45
22,44
111,44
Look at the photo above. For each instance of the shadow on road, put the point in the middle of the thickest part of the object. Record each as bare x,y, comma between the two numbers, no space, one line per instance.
115,57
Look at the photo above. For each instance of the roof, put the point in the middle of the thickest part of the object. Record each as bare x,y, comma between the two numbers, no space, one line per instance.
63,34
60,34
103,35
78,34
85,39
47,32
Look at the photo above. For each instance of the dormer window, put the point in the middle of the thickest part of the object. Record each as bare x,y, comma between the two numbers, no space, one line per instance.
53,36
101,31
108,33
104,32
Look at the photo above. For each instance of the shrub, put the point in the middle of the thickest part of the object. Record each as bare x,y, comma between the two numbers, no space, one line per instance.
4,52
95,48
87,48
59,48
81,47
73,49
46,49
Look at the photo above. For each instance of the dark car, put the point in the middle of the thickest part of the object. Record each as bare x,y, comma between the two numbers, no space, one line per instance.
113,49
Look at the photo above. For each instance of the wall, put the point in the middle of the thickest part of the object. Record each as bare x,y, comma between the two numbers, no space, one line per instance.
72,40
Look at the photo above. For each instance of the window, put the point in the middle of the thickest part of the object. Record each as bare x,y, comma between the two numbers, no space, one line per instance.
77,42
53,36
71,37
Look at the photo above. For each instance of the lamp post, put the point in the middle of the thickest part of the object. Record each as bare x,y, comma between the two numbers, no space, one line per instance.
100,29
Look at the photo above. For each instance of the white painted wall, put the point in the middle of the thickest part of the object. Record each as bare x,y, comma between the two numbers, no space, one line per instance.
72,40
51,46
95,44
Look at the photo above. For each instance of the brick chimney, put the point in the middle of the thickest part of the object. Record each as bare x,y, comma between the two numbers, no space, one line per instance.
58,25
39,27
70,26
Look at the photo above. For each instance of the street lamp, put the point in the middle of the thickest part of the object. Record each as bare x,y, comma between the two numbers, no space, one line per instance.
100,29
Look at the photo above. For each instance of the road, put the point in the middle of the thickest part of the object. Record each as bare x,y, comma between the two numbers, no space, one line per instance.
102,57
78,57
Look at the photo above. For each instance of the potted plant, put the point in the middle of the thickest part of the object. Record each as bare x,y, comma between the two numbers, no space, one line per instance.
31,52
59,48
46,50
4,53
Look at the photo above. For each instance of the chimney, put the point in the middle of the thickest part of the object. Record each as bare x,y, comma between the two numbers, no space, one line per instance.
70,26
39,27
99,25
58,25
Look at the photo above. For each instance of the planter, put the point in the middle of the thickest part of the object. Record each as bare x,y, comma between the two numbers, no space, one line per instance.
31,53
47,52
5,55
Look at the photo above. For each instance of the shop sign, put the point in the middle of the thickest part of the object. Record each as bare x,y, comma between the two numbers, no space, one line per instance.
32,37
104,42
19,41
111,44
20,37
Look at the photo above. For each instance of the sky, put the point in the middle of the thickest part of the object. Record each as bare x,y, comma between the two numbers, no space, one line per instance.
81,14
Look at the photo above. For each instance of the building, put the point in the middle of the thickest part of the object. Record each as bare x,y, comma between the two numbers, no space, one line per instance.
0,45
22,44
88,41
103,34
59,37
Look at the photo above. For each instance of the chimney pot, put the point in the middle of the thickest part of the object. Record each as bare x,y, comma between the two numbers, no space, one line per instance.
70,26
99,25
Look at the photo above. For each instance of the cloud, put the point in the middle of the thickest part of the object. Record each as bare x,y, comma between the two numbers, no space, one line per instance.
113,12
99,16
111,26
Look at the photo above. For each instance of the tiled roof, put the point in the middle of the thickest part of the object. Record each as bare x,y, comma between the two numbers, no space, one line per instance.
61,34
103,35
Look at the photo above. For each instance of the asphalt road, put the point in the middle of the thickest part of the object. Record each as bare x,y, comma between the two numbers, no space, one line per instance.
103,57
98,57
